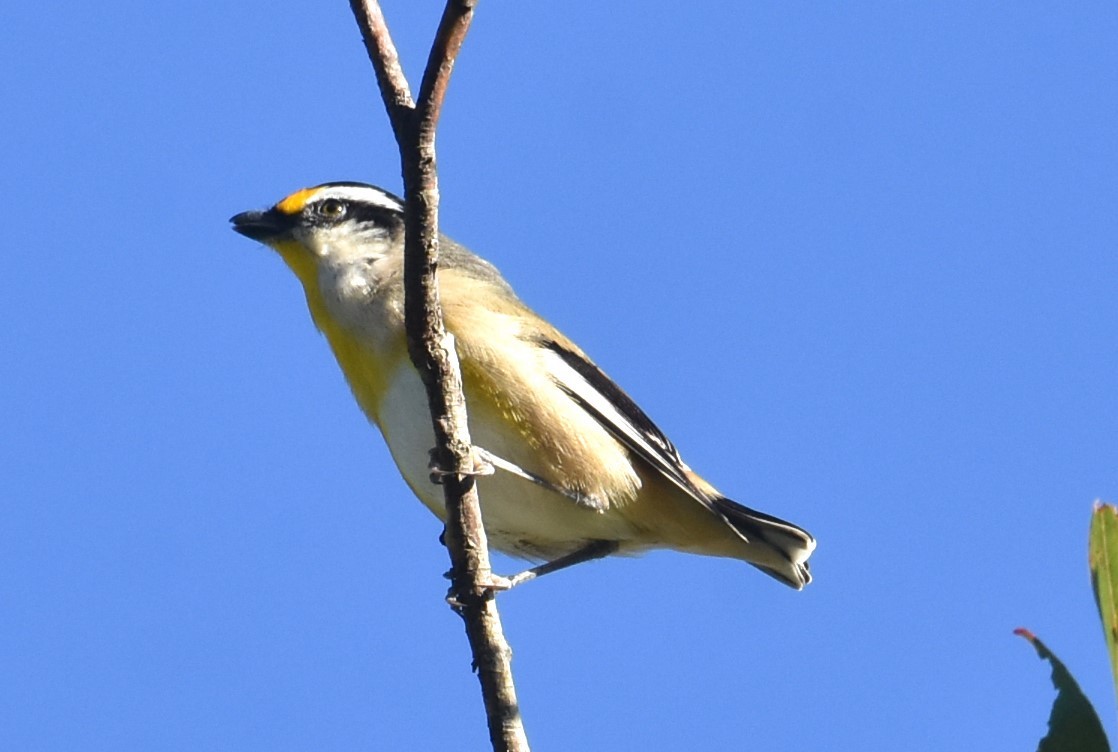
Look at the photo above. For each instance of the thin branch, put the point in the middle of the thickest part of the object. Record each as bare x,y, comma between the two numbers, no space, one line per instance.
440,63
386,62
432,350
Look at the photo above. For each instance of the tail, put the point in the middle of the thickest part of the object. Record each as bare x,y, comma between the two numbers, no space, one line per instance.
786,546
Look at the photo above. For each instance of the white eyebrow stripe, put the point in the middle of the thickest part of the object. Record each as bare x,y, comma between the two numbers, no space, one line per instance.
360,194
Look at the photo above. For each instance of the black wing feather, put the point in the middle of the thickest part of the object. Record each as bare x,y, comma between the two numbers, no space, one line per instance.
657,449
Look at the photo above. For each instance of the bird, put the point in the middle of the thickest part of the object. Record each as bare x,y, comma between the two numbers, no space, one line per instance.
573,469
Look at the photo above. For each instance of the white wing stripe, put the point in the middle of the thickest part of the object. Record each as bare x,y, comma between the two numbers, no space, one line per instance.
603,410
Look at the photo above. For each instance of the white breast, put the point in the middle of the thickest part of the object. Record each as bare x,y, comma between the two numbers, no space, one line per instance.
521,518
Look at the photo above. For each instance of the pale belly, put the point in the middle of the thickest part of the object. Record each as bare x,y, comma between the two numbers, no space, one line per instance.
521,518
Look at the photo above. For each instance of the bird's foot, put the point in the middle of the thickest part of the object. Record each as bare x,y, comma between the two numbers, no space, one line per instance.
480,465
488,587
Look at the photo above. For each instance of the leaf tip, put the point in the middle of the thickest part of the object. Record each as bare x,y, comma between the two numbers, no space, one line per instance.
1101,506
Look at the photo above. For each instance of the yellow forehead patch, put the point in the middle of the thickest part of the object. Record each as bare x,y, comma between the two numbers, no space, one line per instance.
294,203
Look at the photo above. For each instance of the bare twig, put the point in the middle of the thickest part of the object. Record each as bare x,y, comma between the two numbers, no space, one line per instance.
432,349
386,62
440,63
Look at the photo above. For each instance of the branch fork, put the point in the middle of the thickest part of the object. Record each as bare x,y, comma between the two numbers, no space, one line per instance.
414,123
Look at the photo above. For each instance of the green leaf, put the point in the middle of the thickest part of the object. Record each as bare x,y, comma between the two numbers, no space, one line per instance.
1103,558
1073,725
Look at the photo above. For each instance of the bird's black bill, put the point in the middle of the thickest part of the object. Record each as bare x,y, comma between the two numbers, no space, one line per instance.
262,225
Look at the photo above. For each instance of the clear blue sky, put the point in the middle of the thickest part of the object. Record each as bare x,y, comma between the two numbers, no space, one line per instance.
859,262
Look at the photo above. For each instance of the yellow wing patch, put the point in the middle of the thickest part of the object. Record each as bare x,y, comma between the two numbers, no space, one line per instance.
294,203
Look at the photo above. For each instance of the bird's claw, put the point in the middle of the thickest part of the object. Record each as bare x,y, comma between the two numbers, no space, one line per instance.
490,585
480,466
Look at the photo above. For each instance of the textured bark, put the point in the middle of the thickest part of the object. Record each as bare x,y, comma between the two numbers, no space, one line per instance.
431,347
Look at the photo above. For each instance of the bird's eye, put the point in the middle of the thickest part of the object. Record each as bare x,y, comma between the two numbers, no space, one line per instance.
331,208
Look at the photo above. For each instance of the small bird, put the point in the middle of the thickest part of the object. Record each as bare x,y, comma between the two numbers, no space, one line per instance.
576,470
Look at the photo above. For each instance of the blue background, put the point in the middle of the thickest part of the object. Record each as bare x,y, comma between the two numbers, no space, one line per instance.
857,260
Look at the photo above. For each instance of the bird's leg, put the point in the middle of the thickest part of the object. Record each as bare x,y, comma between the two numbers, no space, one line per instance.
491,461
596,549
478,458
487,463
496,583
